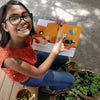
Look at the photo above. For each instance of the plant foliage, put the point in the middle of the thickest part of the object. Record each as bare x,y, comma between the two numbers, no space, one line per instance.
87,83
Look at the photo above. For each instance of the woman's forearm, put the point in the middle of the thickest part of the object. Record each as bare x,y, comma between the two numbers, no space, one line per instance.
58,47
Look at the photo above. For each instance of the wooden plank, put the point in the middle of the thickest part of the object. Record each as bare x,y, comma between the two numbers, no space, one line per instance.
6,89
15,89
2,77
34,90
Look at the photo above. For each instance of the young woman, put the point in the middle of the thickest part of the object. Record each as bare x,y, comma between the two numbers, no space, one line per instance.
17,57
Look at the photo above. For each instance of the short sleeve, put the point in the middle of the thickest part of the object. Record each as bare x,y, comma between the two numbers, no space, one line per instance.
3,56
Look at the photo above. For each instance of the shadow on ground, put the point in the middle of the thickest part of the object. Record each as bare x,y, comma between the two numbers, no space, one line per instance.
43,96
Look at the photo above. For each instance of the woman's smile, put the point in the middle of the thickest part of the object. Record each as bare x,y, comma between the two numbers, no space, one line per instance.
23,29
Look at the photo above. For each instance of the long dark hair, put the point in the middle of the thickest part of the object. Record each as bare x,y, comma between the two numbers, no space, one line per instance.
5,36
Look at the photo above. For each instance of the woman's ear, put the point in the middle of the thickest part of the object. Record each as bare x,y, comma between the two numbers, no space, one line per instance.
4,27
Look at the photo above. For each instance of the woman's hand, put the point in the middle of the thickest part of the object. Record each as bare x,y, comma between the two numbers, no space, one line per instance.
58,47
59,22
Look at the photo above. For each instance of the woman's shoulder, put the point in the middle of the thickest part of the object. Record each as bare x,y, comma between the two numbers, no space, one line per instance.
3,53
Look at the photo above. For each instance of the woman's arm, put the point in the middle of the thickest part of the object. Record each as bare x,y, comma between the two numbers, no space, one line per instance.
30,70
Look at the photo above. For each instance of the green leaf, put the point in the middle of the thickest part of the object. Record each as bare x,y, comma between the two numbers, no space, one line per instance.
67,98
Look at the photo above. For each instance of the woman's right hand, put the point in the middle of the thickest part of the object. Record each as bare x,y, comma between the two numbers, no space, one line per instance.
58,47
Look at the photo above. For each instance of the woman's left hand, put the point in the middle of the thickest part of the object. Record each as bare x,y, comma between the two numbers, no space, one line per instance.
59,22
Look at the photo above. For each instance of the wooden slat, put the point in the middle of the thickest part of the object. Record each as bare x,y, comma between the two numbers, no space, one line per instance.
16,88
6,89
2,76
9,89
34,90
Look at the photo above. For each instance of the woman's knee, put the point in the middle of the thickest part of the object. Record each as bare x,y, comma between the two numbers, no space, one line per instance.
70,82
70,78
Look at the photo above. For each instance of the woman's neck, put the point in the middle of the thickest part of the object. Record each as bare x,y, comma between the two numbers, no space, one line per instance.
16,43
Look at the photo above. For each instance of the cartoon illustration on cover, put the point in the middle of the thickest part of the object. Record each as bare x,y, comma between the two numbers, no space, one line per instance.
49,33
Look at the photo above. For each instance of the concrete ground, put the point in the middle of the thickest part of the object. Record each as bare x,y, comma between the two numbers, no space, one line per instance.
84,13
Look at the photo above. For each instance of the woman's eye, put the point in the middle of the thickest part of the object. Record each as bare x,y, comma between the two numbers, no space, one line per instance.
14,18
25,16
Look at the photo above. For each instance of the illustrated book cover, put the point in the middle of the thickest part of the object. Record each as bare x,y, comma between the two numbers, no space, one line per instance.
47,33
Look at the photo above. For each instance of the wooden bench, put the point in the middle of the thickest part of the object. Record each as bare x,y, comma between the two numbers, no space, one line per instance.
9,89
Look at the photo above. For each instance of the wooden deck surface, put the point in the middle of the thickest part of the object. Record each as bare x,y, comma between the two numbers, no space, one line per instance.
9,89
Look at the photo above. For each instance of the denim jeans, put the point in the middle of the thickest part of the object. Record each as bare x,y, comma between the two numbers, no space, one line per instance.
56,80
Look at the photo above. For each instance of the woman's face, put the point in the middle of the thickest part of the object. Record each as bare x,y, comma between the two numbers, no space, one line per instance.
23,28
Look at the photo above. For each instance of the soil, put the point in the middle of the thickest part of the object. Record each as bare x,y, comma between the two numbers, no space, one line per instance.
24,94
63,96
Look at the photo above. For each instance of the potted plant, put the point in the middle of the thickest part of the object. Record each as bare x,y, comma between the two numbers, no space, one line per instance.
65,95
71,67
25,94
87,84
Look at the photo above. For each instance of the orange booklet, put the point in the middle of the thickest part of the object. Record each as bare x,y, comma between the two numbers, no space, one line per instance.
48,33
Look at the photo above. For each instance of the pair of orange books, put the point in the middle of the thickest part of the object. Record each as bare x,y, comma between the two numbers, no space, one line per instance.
48,33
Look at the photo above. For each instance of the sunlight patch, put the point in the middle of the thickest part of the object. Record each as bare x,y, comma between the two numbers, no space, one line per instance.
24,2
44,1
64,15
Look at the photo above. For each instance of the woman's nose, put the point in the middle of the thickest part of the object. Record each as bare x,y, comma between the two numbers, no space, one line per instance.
22,21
